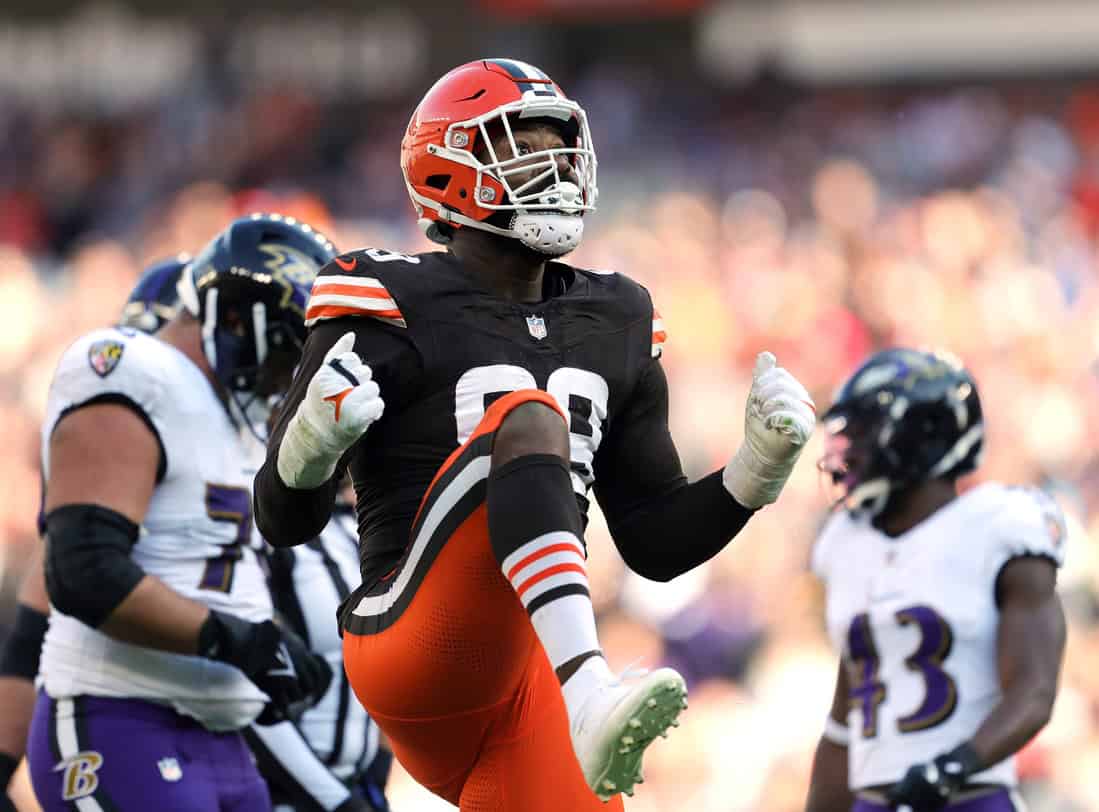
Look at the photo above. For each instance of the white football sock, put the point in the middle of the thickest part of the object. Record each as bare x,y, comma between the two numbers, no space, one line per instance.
549,574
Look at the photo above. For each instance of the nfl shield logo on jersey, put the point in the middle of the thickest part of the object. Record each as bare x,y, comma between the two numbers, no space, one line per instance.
170,769
537,327
104,356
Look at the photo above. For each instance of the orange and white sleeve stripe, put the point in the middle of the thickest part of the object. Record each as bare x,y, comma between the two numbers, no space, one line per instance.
658,334
335,296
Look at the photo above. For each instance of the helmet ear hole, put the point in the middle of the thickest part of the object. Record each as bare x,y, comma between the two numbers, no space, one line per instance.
439,182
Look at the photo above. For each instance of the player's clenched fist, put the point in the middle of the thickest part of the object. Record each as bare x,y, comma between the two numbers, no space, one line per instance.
339,405
341,401
778,422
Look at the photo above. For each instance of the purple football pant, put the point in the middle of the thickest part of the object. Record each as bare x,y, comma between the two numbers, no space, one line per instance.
1002,801
95,754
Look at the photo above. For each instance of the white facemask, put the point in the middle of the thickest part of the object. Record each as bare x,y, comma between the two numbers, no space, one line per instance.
252,413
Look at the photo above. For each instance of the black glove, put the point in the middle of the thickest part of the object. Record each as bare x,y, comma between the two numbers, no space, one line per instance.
928,787
274,658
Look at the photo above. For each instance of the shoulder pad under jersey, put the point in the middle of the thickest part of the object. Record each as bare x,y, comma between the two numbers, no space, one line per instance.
1017,521
352,285
115,361
632,299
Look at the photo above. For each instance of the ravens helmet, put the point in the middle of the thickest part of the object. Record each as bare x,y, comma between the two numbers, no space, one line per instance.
249,288
154,301
903,418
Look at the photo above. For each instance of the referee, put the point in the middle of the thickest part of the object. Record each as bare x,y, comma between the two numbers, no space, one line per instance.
330,759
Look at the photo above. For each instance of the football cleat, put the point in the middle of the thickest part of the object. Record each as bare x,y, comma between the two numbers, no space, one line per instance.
618,721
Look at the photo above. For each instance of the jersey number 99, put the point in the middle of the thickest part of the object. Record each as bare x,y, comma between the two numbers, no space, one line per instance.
582,396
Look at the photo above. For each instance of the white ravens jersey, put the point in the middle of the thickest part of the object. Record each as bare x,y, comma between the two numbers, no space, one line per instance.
321,574
915,620
197,536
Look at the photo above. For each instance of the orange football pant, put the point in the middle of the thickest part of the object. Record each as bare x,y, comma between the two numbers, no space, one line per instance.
459,681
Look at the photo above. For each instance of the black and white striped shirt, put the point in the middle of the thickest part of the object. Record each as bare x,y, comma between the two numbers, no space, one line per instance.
312,764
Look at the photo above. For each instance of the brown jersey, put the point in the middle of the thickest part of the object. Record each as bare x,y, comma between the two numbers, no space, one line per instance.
442,350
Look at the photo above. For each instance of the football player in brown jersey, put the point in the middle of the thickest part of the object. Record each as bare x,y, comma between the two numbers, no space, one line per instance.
476,395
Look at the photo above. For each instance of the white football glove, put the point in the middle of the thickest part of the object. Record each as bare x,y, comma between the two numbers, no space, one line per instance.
778,421
339,406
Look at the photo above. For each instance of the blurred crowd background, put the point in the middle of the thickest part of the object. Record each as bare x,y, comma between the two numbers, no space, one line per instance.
775,180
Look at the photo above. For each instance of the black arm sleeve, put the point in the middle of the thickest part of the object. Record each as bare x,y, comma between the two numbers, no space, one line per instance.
287,516
661,525
89,571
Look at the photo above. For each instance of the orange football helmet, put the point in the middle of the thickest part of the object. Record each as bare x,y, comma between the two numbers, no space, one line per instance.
451,187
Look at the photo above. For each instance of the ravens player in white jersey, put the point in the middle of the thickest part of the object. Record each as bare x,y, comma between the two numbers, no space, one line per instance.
328,760
331,758
942,603
150,305
160,645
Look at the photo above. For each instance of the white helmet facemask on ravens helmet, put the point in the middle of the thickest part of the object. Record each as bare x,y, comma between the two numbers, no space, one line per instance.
547,208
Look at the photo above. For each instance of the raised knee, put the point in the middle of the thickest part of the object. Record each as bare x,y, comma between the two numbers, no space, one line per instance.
530,428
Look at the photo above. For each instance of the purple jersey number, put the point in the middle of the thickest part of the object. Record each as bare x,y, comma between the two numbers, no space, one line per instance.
940,692
868,691
226,503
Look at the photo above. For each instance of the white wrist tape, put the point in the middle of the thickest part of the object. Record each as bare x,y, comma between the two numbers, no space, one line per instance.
836,733
754,482
305,461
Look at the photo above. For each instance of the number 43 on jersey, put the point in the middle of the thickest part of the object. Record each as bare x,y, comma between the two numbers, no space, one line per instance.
869,691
